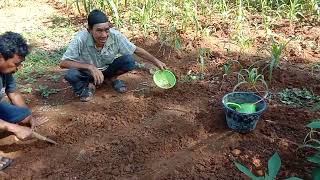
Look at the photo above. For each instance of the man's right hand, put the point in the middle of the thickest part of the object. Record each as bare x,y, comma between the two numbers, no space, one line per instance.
22,132
97,74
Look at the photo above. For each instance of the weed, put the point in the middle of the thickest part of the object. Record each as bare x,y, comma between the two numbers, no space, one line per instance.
54,77
191,76
298,97
28,101
45,91
27,90
30,80
315,67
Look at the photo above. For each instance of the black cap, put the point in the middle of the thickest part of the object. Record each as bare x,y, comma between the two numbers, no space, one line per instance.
96,17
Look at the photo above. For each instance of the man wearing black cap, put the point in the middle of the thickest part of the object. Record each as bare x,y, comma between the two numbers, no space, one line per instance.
98,53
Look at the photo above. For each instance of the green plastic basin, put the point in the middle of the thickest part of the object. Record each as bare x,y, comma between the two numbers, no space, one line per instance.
164,79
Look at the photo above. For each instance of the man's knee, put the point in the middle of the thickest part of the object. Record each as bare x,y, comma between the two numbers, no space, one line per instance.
26,121
72,75
129,63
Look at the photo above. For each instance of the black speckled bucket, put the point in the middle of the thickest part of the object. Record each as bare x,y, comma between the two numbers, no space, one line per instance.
243,122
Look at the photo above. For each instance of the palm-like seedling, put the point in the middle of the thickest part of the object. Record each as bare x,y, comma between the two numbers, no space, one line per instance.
251,77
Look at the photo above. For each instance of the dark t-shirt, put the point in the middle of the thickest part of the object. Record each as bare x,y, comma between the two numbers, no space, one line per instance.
7,84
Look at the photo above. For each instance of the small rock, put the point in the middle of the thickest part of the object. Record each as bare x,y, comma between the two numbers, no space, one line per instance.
115,171
260,173
176,172
236,152
127,168
179,55
284,144
256,162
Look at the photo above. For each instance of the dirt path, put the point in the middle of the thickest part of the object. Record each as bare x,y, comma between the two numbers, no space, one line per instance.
147,133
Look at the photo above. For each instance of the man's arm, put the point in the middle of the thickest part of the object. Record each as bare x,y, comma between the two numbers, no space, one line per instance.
145,55
20,131
69,64
95,72
16,99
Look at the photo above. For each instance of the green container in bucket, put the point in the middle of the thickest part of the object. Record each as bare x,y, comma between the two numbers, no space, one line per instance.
164,79
243,108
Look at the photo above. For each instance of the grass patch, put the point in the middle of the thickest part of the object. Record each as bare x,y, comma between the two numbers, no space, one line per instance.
37,63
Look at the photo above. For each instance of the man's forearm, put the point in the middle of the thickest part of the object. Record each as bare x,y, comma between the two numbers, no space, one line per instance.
17,99
145,55
72,64
5,126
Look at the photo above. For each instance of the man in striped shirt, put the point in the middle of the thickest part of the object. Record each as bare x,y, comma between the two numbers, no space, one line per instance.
98,53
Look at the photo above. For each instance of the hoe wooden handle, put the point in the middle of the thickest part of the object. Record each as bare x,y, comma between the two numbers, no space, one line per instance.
43,138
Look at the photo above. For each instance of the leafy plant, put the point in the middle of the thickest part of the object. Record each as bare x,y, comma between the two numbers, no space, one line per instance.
312,141
27,90
298,97
274,165
45,91
251,77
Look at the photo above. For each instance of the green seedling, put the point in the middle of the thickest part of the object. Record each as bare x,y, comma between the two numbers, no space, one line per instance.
227,67
251,77
276,51
274,165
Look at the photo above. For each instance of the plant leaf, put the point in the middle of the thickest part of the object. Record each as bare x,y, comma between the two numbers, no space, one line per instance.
314,159
315,124
245,170
274,164
316,174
